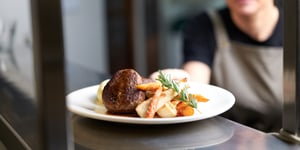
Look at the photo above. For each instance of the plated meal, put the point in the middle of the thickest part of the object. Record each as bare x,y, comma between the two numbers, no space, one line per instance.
129,98
128,92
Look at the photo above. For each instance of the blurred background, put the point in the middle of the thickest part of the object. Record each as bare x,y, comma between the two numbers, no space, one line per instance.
106,35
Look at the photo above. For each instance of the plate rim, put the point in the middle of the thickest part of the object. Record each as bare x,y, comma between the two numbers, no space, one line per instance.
92,114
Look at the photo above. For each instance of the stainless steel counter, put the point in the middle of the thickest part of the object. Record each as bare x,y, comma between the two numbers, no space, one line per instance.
213,134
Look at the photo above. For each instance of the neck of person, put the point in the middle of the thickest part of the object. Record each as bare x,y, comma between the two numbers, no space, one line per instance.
260,25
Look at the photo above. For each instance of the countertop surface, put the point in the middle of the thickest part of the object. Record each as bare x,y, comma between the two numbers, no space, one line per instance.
213,134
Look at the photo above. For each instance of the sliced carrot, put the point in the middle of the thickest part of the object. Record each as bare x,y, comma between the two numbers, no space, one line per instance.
151,110
180,105
183,80
187,111
200,98
151,86
184,110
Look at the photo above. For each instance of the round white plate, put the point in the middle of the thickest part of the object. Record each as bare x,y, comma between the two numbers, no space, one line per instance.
83,102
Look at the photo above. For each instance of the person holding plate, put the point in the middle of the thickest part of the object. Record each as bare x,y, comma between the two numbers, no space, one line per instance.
239,48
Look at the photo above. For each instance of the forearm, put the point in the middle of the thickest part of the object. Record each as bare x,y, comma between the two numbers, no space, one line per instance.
199,72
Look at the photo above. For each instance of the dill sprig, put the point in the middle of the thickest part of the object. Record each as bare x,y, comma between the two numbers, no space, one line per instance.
167,82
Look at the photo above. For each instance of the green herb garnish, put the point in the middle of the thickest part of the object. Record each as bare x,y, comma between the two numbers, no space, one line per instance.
167,82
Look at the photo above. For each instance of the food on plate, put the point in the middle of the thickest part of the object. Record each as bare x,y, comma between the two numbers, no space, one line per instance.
100,91
128,92
165,97
168,110
120,94
184,110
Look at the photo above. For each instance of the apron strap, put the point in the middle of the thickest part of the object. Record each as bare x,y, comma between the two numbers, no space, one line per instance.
222,39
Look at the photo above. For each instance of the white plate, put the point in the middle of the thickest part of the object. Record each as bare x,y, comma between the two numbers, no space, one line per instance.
83,103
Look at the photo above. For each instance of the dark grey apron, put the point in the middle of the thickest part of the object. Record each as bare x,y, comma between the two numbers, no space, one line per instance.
254,75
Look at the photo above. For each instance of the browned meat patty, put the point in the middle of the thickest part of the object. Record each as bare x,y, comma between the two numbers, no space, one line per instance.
120,94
